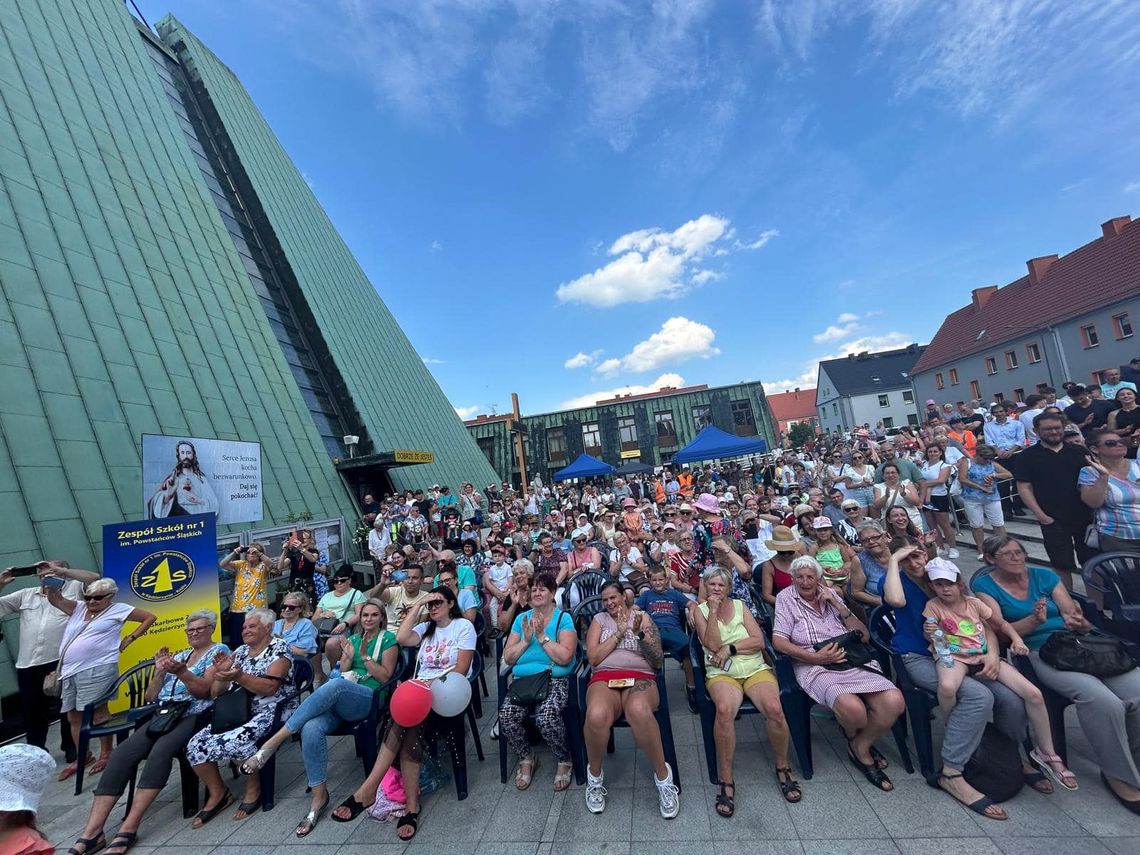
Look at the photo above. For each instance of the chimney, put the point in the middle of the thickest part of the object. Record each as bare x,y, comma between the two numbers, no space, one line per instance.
1115,226
1038,267
980,296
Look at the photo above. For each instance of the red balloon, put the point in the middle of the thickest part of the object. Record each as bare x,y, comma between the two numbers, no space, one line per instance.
411,703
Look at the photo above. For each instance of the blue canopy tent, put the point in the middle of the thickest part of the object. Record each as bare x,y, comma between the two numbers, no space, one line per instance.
584,467
712,443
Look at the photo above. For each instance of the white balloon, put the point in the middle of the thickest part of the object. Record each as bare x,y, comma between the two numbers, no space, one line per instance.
450,694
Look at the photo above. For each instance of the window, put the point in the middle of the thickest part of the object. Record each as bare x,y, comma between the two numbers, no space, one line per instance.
666,430
884,400
975,389
908,396
953,376
991,365
888,422
627,429
1011,359
835,409
702,416
999,398
1089,338
487,446
1019,395
1122,326
912,419
938,382
1033,353
555,444
591,439
742,421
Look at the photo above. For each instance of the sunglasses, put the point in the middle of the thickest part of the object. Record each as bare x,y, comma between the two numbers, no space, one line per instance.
1111,443
94,598
341,581
289,607
431,604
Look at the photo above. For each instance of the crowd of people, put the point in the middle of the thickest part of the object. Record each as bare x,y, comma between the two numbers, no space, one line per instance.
785,556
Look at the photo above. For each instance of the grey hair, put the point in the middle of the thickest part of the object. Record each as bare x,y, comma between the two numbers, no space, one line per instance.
302,600
717,570
869,524
203,614
101,586
525,564
994,542
263,616
806,561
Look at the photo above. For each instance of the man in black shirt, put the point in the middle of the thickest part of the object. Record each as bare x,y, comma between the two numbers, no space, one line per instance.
1086,412
1046,476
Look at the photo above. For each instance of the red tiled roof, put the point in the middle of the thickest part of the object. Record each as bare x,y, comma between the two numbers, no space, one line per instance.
660,393
485,419
798,404
1097,274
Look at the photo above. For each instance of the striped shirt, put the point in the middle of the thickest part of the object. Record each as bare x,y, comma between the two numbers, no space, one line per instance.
1119,516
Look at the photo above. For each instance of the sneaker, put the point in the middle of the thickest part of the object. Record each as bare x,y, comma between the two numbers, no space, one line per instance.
691,697
953,553
595,793
668,795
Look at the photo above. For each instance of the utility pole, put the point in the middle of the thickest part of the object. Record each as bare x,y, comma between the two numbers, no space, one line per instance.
517,431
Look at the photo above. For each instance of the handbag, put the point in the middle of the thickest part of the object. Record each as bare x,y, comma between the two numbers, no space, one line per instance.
52,688
534,689
859,653
1092,536
231,710
167,717
326,625
1096,655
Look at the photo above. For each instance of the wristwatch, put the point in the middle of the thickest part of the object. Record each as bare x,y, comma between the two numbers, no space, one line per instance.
732,649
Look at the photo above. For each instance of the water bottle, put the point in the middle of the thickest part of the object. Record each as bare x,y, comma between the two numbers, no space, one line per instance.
335,674
942,650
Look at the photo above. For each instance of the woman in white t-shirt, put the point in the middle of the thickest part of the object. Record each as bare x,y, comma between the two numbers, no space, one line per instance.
342,604
447,647
89,655
937,473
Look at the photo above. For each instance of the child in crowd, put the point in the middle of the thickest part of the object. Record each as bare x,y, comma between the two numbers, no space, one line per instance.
497,580
24,774
667,607
966,622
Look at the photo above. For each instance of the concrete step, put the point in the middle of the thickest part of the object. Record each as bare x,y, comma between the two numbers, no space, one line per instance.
1025,529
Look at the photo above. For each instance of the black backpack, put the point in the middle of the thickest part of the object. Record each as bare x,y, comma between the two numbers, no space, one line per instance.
995,769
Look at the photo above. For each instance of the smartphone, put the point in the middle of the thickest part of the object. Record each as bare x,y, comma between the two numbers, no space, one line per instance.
27,570
56,582
399,575
421,546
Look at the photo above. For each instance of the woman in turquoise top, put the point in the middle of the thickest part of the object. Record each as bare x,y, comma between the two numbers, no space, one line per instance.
1036,603
368,660
542,639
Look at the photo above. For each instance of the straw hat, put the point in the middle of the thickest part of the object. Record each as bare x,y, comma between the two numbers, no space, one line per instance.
783,540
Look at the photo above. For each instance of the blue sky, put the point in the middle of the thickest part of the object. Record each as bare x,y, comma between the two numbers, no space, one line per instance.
565,199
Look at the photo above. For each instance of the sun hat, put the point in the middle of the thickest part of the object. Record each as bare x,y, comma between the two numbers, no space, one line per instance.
685,506
940,568
708,503
579,532
821,522
800,510
24,774
628,502
783,540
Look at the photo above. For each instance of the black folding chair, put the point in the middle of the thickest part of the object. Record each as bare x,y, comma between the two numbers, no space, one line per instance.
120,724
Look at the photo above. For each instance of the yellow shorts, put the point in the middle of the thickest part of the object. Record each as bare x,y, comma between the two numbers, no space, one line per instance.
767,675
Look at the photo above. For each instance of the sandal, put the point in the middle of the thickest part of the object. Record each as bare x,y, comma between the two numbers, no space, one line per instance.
523,779
91,845
248,808
408,820
100,764
871,772
71,768
128,839
562,777
353,807
1044,762
206,814
1039,782
789,786
306,825
257,762
881,762
726,804
981,806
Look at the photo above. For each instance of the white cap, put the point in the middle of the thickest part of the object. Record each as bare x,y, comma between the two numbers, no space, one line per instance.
24,774
579,532
940,568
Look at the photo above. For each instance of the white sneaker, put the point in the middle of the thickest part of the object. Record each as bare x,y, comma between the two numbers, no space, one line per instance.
668,795
981,557
595,793
953,553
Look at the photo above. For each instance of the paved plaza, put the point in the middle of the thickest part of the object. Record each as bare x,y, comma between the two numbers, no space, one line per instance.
840,813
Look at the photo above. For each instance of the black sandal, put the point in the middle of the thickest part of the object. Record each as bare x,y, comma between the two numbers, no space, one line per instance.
881,762
248,808
408,820
206,814
90,845
724,800
128,839
871,772
355,809
1034,779
789,786
979,807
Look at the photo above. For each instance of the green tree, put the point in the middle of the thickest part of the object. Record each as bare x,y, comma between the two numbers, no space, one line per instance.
800,432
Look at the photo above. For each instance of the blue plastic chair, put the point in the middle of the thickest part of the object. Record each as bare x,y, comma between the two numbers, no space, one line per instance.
365,733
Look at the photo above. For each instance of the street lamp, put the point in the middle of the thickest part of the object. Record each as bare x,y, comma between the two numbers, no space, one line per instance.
351,442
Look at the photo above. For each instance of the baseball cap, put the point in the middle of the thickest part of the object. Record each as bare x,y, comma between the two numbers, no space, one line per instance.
930,402
821,522
940,568
579,532
669,527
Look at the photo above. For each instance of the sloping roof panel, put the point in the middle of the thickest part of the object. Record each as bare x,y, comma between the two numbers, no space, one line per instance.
866,373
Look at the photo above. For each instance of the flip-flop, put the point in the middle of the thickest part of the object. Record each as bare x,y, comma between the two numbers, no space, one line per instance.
128,839
71,768
91,845
206,814
248,808
100,764
354,807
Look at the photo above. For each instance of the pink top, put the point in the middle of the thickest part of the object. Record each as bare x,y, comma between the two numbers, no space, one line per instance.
627,656
24,841
964,625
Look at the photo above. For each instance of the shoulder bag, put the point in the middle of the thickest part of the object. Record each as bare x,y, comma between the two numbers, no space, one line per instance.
326,625
533,690
1096,655
859,653
351,675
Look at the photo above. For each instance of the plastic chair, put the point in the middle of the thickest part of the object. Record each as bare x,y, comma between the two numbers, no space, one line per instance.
302,682
365,733
586,585
453,731
120,724
484,650
583,614
1116,577
572,715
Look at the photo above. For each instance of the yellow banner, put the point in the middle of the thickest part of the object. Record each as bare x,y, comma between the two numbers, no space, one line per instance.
405,455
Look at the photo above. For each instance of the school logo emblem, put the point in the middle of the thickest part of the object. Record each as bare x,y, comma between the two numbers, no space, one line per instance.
162,575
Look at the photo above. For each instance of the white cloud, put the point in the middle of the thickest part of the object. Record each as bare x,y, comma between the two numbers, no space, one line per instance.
591,398
436,246
834,333
678,340
608,368
582,360
431,360
760,241
1132,187
467,412
652,264
846,318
